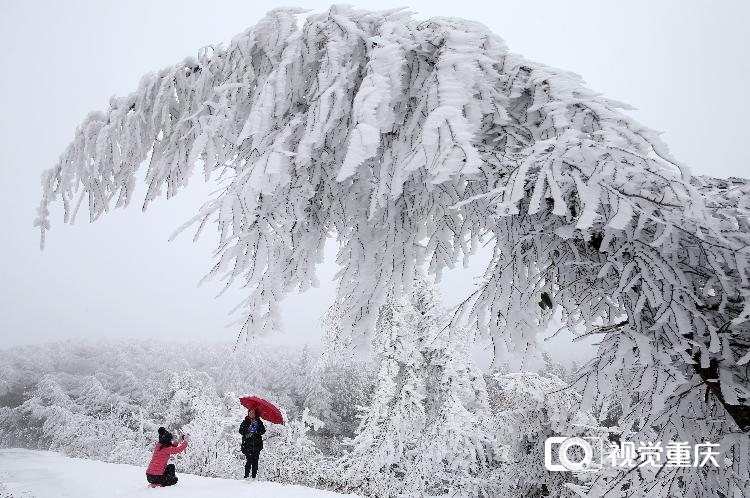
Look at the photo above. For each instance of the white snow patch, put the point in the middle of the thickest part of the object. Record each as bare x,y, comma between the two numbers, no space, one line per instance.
43,474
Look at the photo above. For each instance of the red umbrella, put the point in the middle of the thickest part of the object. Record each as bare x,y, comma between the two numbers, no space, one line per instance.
266,410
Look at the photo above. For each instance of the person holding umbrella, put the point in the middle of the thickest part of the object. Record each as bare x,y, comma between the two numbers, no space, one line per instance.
252,430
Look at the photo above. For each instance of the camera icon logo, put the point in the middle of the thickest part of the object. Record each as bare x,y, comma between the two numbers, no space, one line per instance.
590,449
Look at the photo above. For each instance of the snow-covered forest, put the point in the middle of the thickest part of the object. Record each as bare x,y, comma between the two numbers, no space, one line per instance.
105,401
416,419
413,143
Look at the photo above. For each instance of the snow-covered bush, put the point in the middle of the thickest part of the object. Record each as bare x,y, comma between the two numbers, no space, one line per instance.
292,455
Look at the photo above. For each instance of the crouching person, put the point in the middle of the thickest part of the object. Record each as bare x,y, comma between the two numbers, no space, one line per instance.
158,472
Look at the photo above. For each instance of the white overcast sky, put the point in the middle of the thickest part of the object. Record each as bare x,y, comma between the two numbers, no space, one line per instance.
683,64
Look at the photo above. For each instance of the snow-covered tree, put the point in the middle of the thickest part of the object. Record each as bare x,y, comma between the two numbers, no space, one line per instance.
301,372
292,456
426,430
386,439
195,408
339,384
458,445
415,140
527,409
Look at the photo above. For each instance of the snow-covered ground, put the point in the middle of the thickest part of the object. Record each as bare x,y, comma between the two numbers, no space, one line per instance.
43,474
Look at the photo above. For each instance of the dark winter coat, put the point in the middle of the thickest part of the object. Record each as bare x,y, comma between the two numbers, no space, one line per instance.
252,440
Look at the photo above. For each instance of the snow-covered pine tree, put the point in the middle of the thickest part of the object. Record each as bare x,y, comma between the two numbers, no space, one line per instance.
318,398
457,446
301,370
412,141
383,449
426,431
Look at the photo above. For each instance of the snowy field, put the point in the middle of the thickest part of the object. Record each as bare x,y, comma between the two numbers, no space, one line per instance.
43,474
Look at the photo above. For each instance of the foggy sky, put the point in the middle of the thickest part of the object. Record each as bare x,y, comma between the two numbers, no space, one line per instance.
683,64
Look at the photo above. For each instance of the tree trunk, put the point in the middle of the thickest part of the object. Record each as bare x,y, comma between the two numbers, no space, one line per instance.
739,413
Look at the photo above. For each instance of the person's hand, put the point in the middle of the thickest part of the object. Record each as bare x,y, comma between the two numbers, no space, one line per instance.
186,437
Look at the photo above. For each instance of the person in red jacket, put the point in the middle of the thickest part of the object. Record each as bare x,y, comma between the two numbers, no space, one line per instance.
158,472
